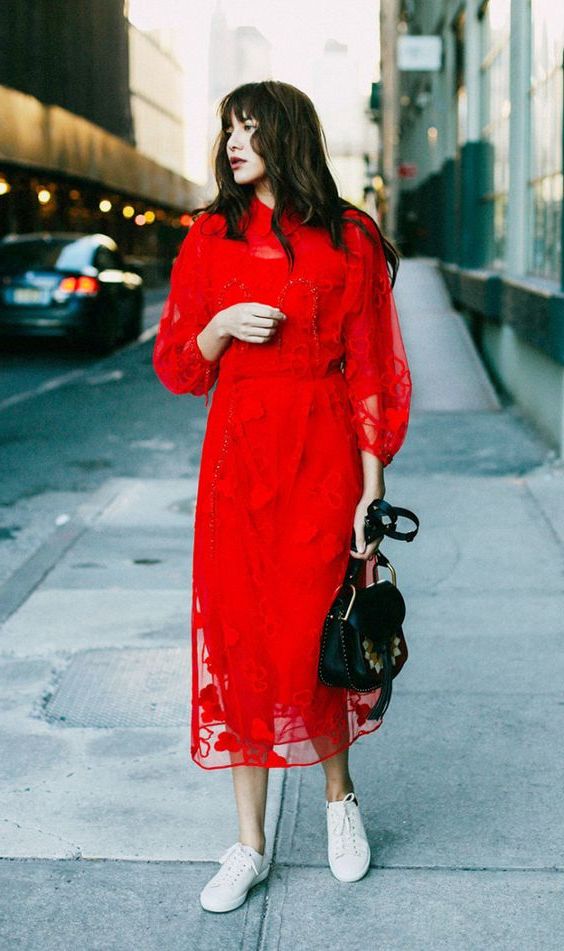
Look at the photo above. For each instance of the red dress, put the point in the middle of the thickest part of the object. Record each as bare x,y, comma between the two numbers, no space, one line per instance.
280,475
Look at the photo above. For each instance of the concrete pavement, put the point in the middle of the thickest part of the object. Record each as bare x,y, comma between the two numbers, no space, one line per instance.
108,831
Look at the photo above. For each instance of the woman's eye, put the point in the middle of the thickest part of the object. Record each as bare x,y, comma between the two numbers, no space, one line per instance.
248,127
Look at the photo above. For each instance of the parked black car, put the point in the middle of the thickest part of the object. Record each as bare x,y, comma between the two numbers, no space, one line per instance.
69,285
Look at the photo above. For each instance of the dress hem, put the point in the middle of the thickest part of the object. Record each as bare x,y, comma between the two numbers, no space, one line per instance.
314,762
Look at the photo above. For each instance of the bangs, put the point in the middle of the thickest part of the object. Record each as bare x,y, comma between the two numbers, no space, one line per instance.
242,102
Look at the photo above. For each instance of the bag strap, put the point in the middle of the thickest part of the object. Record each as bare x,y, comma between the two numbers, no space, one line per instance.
375,524
354,566
383,701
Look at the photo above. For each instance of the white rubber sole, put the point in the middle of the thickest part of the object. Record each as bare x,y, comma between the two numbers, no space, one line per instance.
357,877
237,902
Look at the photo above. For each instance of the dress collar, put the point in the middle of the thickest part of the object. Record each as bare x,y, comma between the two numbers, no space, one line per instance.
261,217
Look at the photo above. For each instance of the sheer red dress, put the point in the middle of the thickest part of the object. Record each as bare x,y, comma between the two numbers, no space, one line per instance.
280,474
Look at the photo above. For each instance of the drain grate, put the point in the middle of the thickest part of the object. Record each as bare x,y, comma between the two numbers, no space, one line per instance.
127,688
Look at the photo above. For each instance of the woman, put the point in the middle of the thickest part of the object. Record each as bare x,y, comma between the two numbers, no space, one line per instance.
280,293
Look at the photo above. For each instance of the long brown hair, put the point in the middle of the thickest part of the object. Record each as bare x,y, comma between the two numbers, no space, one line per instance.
291,141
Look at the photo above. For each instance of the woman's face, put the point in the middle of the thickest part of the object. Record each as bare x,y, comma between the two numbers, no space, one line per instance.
247,167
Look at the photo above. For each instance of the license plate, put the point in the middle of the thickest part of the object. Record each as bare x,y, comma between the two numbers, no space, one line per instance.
28,295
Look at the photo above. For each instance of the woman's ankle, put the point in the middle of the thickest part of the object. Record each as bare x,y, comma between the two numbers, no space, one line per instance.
338,791
256,842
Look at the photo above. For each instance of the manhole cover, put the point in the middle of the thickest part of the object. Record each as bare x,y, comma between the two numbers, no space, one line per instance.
105,688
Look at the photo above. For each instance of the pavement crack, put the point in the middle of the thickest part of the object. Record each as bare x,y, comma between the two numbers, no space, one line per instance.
76,851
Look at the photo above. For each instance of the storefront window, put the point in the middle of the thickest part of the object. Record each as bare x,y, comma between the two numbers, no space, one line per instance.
545,187
495,105
459,80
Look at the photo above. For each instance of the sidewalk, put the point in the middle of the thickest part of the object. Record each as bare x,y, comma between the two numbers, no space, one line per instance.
108,831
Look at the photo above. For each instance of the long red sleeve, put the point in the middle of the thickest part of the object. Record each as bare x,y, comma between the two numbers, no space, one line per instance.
177,359
376,368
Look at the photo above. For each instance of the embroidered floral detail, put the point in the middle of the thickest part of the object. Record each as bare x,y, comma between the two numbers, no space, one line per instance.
260,495
303,697
232,635
311,293
299,359
256,675
362,710
306,531
331,545
209,701
260,731
227,741
274,759
250,408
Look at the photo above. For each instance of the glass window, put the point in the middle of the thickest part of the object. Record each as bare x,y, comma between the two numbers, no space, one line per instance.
62,254
459,79
106,259
545,186
495,106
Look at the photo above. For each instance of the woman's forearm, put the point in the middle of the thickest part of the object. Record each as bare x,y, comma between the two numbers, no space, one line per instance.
373,473
214,338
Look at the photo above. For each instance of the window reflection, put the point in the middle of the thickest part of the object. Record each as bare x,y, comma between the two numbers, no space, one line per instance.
545,185
495,105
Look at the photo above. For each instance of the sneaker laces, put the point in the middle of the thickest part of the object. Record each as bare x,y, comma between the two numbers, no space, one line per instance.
344,828
233,862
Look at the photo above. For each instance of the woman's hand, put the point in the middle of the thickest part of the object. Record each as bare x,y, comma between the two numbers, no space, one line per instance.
251,322
364,552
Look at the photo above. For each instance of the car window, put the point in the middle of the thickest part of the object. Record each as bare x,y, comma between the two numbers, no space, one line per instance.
105,259
63,254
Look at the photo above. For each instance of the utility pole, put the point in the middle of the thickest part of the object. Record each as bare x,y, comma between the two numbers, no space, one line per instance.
389,17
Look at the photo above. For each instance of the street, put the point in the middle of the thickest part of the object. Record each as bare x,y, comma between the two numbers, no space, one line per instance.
108,831
99,419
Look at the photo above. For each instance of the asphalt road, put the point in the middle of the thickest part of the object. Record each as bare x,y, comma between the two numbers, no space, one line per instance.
68,422
31,363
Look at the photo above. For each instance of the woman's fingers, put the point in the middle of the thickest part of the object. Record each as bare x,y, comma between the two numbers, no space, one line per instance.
261,322
368,551
359,538
262,311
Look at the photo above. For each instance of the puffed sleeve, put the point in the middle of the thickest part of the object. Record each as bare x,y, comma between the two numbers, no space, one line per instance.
177,359
376,369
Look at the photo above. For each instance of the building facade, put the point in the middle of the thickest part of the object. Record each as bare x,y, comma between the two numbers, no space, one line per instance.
484,136
93,127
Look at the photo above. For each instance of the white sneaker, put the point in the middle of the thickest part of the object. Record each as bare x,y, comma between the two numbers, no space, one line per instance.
347,846
241,868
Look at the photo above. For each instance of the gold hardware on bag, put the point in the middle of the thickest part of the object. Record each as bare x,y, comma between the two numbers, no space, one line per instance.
393,574
393,579
348,611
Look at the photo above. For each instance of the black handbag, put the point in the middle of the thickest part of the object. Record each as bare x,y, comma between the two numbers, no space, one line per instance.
362,641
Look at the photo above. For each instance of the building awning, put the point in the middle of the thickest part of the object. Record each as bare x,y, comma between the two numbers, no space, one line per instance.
36,135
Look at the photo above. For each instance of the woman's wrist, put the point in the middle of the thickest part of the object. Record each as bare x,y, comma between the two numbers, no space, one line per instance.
373,491
373,477
213,339
220,326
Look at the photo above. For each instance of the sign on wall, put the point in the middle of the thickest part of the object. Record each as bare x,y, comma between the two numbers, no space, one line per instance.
420,52
407,170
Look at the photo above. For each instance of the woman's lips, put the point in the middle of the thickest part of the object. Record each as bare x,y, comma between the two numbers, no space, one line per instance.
238,162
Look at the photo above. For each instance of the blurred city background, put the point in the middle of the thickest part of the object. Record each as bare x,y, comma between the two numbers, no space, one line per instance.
444,120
